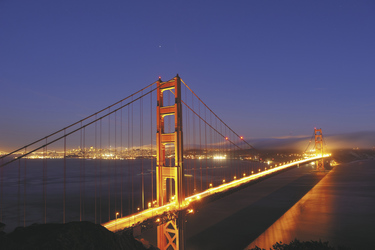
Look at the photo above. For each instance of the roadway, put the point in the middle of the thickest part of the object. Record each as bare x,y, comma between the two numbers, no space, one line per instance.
154,212
235,220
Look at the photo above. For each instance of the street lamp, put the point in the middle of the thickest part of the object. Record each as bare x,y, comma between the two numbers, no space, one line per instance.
117,213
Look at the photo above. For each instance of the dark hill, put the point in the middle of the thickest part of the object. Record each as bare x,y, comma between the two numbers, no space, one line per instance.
70,236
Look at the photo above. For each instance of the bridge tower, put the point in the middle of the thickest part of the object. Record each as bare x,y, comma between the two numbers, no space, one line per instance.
170,234
319,148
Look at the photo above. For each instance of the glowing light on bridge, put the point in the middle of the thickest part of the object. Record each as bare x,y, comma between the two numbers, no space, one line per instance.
141,216
220,157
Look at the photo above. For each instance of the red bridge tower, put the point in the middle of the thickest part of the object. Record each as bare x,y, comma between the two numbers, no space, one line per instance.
170,234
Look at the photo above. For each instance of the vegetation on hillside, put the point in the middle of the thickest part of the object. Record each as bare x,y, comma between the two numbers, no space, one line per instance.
303,245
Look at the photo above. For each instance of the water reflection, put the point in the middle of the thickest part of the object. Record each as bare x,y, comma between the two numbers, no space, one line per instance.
340,209
232,222
32,190
311,213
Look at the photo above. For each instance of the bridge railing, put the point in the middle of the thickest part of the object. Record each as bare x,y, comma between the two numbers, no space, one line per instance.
157,214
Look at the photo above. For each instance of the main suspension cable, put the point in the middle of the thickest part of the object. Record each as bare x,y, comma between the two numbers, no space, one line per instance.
216,115
71,125
72,132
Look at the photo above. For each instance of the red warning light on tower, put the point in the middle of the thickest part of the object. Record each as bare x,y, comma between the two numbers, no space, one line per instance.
226,138
241,137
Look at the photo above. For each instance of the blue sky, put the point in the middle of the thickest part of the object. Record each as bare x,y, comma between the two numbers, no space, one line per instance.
267,68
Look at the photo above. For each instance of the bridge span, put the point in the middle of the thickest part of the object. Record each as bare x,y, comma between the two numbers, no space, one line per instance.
126,164
156,212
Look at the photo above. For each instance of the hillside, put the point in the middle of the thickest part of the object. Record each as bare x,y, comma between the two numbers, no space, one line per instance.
69,236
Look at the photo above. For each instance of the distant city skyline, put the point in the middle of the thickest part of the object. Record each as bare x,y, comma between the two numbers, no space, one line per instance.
268,69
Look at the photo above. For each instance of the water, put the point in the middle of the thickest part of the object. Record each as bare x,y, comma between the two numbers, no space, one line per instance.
96,189
233,221
340,209
301,203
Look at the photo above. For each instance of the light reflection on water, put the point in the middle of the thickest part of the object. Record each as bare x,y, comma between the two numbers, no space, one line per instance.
340,209
287,227
95,189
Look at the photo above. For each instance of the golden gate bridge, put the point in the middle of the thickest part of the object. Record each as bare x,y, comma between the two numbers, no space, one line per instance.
146,158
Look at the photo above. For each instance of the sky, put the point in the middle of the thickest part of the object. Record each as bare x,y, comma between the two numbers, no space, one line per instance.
269,69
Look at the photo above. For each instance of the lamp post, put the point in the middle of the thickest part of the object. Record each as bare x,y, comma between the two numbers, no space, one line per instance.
117,213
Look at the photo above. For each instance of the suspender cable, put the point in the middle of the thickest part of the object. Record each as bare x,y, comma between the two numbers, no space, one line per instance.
84,173
141,149
128,165
19,193
115,159
132,170
214,113
194,148
152,159
24,193
211,143
122,164
200,146
61,137
210,125
44,182
96,172
109,167
64,191
100,170
80,176
206,150
80,121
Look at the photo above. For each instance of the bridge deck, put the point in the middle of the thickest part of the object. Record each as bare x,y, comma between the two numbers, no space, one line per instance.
138,218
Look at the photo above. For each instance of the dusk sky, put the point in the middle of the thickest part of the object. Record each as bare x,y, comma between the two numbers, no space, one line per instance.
267,68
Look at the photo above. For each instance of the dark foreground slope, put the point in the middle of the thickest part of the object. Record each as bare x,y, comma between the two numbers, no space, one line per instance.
72,235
